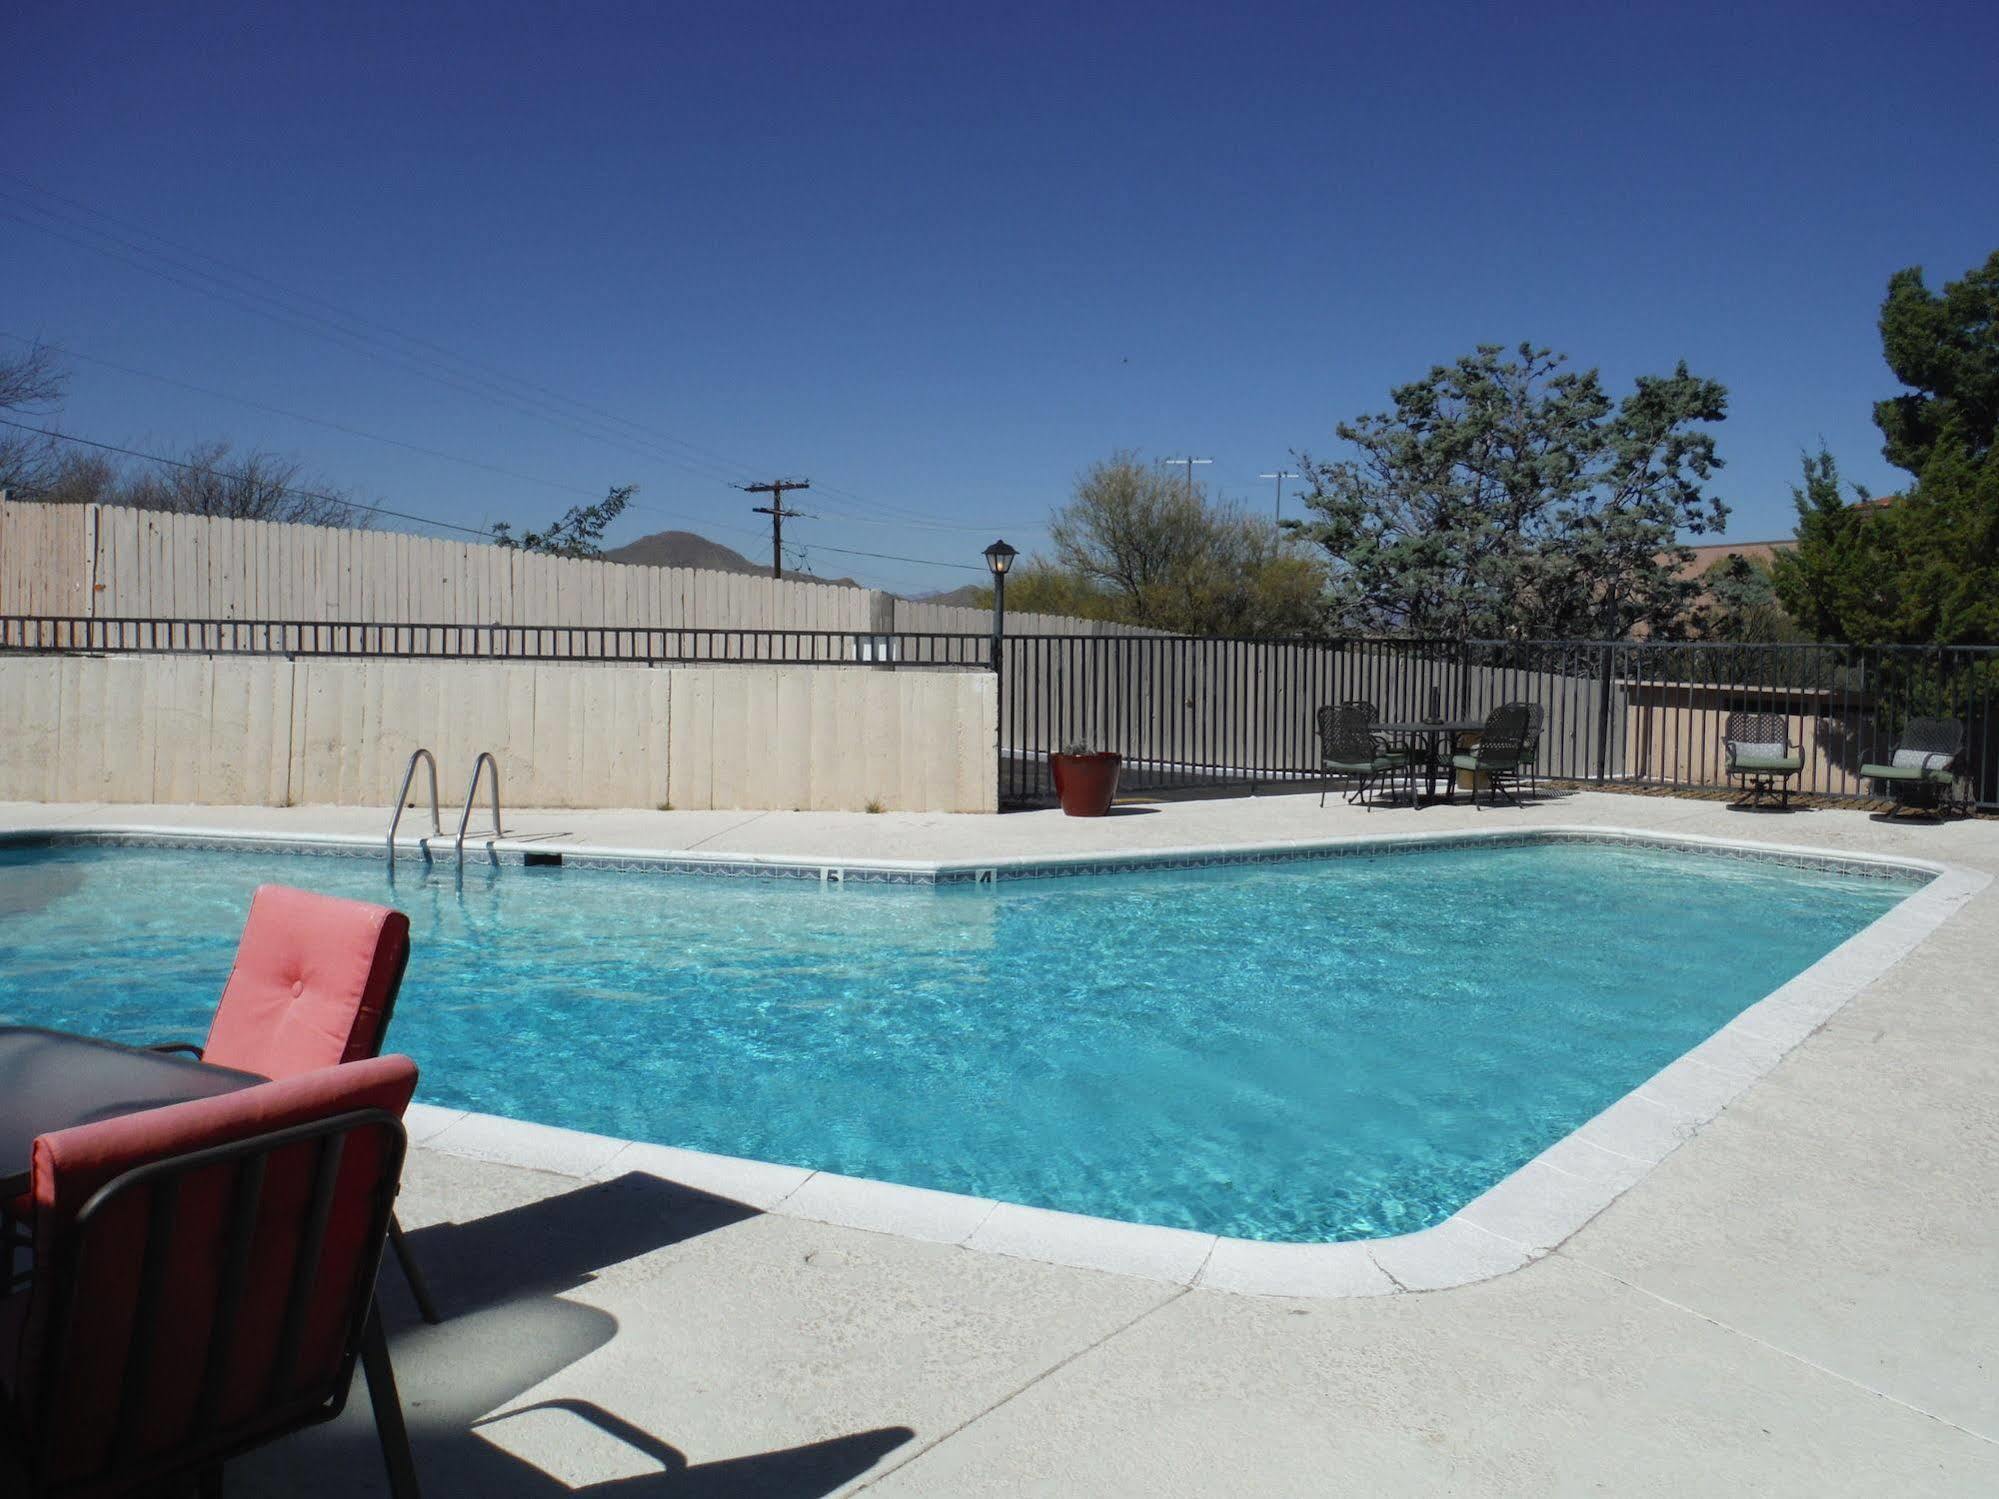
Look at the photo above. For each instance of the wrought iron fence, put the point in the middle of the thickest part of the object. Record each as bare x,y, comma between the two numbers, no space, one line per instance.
1187,713
1190,712
636,644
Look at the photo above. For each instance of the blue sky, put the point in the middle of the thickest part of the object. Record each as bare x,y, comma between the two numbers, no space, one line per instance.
940,261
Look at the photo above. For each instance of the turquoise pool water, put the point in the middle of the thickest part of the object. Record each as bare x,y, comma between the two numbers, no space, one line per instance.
1303,1051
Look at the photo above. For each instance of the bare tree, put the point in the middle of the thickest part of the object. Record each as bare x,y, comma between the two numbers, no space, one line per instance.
30,384
207,480
74,478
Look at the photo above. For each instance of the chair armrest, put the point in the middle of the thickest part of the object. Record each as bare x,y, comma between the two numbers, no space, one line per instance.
180,1046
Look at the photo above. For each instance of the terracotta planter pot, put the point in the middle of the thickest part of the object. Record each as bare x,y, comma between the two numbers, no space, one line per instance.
1086,783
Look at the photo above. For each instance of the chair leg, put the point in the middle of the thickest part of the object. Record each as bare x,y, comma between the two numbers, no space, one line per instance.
419,1288
388,1406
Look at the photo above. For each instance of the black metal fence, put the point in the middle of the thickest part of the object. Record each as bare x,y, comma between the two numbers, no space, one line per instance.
643,645
1191,712
1187,713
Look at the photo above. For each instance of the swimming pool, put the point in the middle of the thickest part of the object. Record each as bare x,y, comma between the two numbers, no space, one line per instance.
1300,1051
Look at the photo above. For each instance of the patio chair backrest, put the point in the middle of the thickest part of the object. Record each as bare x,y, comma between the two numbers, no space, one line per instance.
1933,736
1346,734
314,983
1537,716
203,1273
1502,743
1756,733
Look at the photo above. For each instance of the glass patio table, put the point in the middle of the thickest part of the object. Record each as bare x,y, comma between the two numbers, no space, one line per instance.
1439,738
51,1080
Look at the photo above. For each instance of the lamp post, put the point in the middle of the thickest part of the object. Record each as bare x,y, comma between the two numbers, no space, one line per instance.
999,558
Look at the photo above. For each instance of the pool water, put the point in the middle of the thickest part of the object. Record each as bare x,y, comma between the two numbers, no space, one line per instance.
1302,1051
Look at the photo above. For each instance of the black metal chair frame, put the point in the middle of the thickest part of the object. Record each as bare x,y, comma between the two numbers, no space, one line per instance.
1934,738
1328,726
1500,754
1758,787
1530,749
200,1460
419,1287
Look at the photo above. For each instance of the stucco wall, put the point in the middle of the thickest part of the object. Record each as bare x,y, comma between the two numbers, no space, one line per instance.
264,731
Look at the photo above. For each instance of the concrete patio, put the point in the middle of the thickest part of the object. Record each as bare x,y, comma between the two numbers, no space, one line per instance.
1800,1300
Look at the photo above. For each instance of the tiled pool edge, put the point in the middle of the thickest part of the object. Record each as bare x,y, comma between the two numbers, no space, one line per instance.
1516,1221
833,870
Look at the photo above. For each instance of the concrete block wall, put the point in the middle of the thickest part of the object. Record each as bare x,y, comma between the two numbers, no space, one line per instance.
266,731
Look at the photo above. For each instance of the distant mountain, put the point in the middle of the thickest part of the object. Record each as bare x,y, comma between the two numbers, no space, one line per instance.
971,596
686,549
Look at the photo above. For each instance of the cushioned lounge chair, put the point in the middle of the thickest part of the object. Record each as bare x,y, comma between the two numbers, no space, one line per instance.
1759,754
1350,749
1922,771
1499,755
204,1283
314,985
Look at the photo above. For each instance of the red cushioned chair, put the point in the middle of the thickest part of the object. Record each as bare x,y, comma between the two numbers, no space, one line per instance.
314,985
204,1283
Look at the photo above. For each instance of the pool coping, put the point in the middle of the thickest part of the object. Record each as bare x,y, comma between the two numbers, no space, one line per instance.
1512,1223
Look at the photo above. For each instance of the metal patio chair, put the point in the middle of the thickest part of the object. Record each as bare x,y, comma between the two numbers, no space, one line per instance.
1922,772
1760,755
1350,748
204,1283
1530,750
1500,753
314,985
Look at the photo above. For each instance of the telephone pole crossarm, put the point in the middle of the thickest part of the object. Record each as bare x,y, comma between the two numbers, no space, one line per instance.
776,489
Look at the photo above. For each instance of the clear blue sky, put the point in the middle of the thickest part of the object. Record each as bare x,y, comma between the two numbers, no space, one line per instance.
943,259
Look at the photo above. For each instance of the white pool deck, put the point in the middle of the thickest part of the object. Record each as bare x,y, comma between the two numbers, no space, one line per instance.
1797,1296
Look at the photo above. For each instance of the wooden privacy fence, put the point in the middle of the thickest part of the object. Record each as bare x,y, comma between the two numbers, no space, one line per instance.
109,561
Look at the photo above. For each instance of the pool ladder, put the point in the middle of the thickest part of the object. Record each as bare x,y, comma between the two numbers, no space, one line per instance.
485,762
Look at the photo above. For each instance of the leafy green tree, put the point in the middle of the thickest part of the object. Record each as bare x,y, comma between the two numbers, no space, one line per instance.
1742,603
1509,496
1923,569
1145,547
580,532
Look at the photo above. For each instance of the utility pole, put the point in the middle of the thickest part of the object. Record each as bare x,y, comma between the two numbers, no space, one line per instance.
776,511
1190,462
1280,476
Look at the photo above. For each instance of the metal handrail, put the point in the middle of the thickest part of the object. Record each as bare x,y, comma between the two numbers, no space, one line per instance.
472,794
402,800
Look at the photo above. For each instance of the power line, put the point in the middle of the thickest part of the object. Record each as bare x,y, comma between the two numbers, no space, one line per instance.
300,416
719,467
195,468
776,511
891,557
356,318
300,321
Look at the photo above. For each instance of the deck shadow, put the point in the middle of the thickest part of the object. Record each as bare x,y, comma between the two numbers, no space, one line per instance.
508,1328
553,1244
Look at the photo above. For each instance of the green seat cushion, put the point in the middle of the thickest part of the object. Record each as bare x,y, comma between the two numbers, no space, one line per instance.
1472,762
1768,764
1363,767
1906,773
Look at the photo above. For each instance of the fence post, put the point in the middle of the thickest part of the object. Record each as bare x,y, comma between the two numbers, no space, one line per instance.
881,624
1606,650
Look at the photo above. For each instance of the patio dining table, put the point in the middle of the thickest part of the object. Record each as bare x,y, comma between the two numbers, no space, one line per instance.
51,1080
1439,738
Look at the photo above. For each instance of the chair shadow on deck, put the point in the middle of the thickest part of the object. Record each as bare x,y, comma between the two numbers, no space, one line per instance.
508,1327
